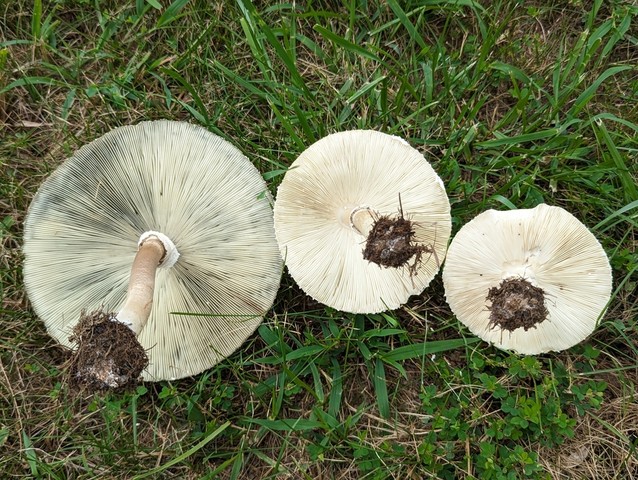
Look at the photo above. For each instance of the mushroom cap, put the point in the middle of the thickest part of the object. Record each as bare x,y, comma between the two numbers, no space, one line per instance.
82,230
548,247
336,174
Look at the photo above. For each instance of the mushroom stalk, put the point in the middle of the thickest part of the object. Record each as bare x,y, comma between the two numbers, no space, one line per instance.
139,297
360,218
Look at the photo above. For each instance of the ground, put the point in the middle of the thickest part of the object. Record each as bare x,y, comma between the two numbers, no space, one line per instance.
514,104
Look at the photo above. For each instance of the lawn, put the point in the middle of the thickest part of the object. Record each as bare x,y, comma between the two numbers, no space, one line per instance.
514,103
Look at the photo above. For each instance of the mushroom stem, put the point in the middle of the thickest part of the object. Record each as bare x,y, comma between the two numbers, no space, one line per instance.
139,297
360,219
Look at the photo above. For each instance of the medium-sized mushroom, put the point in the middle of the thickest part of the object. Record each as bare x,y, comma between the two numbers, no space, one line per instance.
531,280
362,221
163,227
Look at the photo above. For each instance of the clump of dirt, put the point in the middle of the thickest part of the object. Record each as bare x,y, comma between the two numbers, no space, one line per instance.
516,303
391,244
108,355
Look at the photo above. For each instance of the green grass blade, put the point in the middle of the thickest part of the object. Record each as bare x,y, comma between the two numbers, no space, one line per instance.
274,174
246,84
251,25
513,72
188,453
284,425
407,24
29,81
613,118
618,34
31,456
365,88
36,19
285,121
347,45
381,389
618,213
287,60
171,13
201,110
304,352
527,137
213,474
382,332
155,4
68,104
584,98
318,391
628,184
504,201
336,389
418,350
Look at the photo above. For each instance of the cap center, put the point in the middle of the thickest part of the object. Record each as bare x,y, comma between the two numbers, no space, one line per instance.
516,303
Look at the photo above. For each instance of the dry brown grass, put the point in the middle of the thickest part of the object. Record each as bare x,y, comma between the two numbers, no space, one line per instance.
79,437
604,445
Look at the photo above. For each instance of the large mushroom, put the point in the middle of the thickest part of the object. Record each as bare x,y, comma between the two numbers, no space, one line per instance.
158,194
362,221
530,280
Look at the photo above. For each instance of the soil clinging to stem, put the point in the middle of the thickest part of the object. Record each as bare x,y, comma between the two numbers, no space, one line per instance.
516,303
390,243
108,354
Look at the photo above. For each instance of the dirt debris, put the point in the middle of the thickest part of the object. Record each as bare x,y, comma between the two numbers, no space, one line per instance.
391,243
516,303
108,354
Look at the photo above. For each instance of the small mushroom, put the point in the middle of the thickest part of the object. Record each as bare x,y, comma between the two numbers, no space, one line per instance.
532,280
165,196
362,221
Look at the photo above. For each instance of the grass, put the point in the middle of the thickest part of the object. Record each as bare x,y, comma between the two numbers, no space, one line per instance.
514,103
